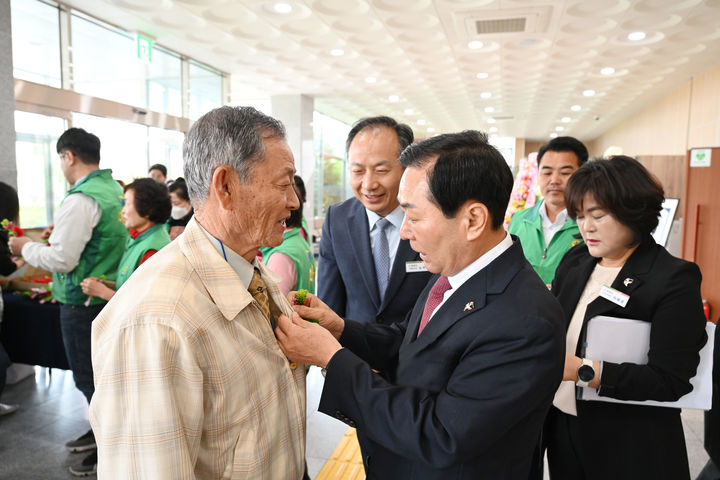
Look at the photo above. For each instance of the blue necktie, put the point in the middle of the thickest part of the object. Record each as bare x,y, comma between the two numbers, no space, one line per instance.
381,256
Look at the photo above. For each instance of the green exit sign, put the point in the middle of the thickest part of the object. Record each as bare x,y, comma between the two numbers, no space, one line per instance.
144,48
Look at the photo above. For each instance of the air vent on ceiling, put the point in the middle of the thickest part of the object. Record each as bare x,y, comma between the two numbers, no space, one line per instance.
500,25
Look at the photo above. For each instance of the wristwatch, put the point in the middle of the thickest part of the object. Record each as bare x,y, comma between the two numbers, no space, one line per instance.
586,373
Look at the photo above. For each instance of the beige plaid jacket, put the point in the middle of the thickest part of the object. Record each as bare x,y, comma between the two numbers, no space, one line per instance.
189,379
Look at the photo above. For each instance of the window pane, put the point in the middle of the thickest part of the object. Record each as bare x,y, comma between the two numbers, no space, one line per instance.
165,147
123,145
332,185
35,42
205,90
164,84
105,63
41,184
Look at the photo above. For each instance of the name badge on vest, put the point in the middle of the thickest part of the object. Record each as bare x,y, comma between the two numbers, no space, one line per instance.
411,267
615,296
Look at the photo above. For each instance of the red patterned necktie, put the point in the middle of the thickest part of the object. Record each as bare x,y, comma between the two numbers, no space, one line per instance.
437,292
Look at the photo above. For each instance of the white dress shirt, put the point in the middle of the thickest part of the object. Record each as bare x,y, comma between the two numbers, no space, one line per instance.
551,228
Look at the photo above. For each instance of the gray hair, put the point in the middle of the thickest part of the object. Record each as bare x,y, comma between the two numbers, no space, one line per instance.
232,136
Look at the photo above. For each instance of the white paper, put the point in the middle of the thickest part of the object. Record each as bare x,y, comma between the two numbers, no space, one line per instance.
619,340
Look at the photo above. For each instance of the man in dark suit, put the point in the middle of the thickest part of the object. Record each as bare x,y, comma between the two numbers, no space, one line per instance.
459,388
365,271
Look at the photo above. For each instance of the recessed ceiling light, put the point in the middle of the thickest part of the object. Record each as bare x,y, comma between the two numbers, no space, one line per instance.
337,52
576,108
492,129
485,95
491,120
482,75
370,79
430,130
565,119
588,93
489,109
475,44
282,8
559,128
636,36
420,122
393,98
607,71
408,111
553,135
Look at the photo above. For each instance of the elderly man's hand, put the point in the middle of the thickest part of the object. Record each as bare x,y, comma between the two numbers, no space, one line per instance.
315,309
305,342
16,244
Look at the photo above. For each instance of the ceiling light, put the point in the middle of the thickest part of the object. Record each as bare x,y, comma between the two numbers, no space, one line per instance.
393,98
482,75
492,129
337,52
282,8
421,122
408,111
565,120
491,120
475,44
576,108
607,71
485,95
430,130
636,36
370,79
588,93
553,135
489,109
559,128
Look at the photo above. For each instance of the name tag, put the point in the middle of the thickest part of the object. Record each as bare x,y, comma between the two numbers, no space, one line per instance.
411,267
614,296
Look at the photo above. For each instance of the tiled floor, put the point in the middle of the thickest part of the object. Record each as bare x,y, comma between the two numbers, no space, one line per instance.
53,411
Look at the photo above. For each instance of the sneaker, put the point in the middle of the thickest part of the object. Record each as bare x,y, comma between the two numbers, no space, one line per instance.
82,444
5,409
87,467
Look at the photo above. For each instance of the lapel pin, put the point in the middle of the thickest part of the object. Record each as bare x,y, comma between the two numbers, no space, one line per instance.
627,281
469,306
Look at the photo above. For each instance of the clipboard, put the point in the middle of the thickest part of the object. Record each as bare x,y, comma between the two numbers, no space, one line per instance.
621,340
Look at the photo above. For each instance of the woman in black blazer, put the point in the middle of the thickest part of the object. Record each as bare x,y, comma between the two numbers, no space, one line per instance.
621,272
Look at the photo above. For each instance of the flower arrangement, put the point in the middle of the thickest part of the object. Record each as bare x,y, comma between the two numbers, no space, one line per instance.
301,299
12,229
523,192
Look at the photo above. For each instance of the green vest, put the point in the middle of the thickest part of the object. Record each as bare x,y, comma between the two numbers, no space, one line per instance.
105,247
527,225
298,249
154,238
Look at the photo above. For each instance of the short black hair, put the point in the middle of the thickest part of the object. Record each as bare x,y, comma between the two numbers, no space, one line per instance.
9,203
152,200
467,168
82,144
404,132
295,219
565,144
159,166
180,188
622,186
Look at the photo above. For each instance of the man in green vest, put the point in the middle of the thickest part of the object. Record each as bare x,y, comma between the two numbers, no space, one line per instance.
88,240
545,231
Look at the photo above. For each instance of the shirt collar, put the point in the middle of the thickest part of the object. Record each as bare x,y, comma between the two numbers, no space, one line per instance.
242,267
559,220
483,261
395,217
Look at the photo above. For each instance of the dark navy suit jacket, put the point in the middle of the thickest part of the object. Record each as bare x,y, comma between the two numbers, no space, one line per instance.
346,272
467,398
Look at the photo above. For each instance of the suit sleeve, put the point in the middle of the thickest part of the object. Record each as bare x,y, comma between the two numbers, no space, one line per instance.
374,343
331,288
676,336
500,379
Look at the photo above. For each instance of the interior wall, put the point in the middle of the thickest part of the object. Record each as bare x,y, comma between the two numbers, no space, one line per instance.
704,130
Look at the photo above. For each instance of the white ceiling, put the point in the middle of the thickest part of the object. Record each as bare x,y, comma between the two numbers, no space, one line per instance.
417,51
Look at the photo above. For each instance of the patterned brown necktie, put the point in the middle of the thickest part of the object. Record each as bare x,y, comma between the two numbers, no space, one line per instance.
258,289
